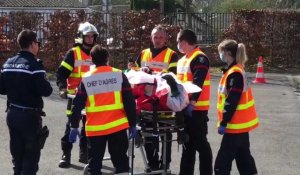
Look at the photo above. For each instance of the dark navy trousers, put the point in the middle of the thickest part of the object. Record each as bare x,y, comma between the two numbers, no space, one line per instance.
235,146
117,144
67,146
24,129
196,128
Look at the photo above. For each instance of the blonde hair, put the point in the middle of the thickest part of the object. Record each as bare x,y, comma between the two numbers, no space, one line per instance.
238,51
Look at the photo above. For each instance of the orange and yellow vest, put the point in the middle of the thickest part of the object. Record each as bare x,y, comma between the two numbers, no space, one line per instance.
82,63
184,74
104,108
244,118
160,63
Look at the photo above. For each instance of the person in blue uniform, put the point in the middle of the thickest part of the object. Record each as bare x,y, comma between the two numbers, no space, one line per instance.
24,81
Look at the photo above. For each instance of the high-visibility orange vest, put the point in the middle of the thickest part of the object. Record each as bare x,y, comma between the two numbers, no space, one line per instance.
184,74
244,118
104,108
82,63
160,63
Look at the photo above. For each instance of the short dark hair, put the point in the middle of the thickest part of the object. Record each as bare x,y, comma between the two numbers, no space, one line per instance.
99,55
25,38
187,35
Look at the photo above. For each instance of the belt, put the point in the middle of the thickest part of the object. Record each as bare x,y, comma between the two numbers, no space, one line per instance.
24,108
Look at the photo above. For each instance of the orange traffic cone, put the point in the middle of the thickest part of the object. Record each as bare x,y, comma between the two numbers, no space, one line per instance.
260,77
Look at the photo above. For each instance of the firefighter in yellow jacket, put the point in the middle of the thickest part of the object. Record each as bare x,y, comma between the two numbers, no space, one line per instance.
76,62
194,67
236,112
107,97
157,59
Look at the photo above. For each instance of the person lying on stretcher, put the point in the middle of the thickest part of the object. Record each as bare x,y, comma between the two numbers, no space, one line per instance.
172,96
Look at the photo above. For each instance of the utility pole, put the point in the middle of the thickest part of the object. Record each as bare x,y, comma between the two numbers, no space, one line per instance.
162,8
187,5
106,9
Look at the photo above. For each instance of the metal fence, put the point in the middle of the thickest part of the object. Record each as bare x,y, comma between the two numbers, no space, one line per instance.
207,26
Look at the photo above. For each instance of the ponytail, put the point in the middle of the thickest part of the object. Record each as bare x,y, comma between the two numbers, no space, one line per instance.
241,56
238,51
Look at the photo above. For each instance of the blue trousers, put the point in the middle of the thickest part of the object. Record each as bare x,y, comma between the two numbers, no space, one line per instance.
24,129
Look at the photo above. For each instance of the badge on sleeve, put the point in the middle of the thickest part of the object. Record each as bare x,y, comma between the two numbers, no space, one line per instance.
231,82
39,60
201,59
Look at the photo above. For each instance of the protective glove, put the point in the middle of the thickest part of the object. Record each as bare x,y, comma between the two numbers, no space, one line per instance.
73,135
132,132
189,110
63,93
221,130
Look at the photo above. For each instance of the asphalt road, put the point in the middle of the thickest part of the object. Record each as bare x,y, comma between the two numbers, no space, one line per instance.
275,144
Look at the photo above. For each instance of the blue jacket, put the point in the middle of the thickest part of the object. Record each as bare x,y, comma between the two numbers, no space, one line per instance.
24,81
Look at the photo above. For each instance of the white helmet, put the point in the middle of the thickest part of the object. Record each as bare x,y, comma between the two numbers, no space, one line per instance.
87,27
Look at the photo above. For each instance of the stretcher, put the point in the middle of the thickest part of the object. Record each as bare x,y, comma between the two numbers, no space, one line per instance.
151,107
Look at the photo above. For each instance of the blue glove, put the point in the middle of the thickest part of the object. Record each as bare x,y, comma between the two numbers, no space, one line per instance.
73,135
189,110
221,130
132,132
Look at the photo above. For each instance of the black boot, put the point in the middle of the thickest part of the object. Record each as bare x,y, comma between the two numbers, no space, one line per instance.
65,161
83,157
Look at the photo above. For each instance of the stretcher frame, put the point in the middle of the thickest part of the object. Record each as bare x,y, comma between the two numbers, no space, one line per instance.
156,117
147,132
147,169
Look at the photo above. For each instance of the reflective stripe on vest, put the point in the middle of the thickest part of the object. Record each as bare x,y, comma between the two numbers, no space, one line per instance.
117,105
244,118
82,63
107,125
184,74
66,65
104,107
161,63
68,112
